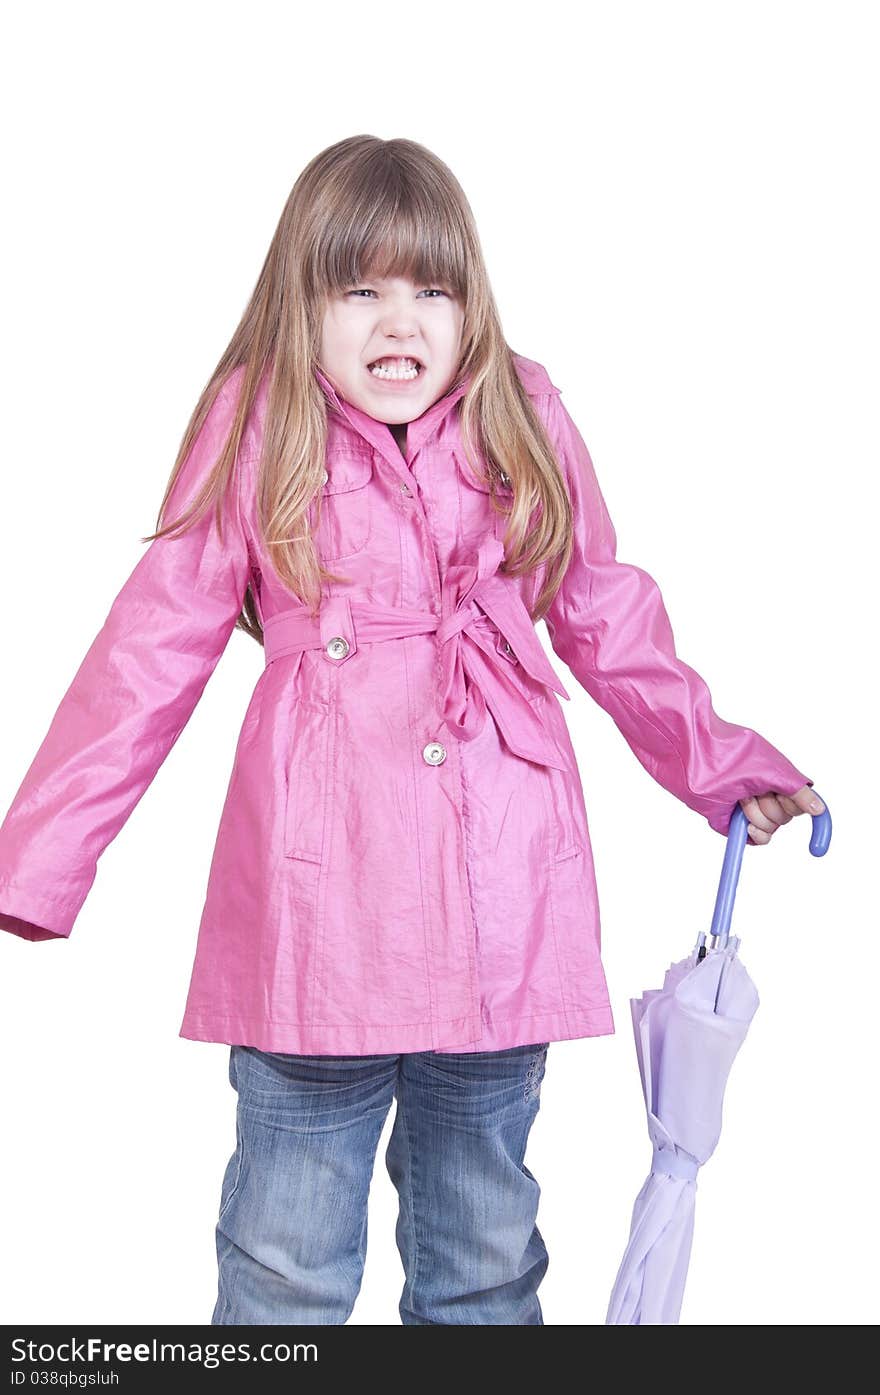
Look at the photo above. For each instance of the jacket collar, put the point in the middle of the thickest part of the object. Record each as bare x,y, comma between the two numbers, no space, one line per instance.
378,433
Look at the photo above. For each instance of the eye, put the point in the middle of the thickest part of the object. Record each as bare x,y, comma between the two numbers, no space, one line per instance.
431,291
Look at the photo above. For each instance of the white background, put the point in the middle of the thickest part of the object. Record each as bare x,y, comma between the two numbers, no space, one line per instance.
677,205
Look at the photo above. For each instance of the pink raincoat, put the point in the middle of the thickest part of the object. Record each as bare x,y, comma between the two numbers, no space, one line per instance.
403,861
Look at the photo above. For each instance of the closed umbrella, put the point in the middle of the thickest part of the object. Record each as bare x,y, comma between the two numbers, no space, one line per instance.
687,1035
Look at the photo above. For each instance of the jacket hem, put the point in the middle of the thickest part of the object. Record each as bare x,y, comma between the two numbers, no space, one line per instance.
568,1025
459,1036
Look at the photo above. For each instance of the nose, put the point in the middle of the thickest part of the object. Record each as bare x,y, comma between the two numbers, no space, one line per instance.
399,319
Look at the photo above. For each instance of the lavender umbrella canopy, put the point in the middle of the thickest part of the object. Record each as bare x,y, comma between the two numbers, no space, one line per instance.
687,1035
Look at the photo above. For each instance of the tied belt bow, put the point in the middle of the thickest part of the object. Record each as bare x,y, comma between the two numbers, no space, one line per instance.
490,654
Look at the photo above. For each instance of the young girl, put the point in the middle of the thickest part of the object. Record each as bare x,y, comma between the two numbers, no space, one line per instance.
402,901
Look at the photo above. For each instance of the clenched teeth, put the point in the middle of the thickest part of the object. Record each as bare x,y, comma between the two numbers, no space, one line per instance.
395,368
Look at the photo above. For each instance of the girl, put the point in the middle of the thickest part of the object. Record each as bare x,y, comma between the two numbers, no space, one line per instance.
402,901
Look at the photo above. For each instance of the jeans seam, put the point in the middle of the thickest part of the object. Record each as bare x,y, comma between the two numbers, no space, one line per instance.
225,1246
234,1188
239,1140
410,1174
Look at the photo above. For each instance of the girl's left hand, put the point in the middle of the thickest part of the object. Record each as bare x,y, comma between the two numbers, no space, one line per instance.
767,812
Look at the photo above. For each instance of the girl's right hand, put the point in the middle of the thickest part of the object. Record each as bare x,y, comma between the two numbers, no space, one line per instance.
767,812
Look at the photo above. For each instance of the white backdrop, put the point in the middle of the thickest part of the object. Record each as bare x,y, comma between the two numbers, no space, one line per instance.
678,211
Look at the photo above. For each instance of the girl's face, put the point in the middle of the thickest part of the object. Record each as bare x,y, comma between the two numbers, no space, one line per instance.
391,320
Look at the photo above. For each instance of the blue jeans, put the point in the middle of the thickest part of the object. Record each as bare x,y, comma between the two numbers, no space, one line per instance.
292,1229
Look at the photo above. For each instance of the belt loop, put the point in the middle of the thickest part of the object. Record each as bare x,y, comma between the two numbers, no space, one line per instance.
337,624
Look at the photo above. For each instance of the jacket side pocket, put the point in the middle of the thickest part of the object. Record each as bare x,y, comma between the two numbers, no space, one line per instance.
307,782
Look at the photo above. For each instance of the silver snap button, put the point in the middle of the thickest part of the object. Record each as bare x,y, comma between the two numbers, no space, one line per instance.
338,647
325,477
434,753
505,478
507,648
405,489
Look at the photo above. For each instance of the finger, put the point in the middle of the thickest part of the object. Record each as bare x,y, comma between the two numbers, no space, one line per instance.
758,835
771,805
788,804
754,813
805,799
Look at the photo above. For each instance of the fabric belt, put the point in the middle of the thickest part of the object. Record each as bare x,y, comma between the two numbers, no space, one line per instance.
674,1162
490,655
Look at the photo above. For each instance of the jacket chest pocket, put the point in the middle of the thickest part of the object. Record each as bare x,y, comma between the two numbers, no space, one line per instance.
343,529
477,513
308,782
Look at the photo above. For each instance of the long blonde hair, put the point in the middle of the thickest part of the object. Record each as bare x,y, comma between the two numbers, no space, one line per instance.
366,206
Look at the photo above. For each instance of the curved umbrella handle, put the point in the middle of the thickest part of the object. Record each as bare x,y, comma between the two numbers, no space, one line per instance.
737,836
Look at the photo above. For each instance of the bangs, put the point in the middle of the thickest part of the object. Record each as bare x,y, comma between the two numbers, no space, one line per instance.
392,232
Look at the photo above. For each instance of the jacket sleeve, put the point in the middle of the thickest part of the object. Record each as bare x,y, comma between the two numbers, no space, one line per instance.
127,704
610,626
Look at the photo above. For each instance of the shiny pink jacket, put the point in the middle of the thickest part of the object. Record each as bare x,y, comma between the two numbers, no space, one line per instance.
403,861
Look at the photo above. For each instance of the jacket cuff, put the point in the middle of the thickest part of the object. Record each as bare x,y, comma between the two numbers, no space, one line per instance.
720,819
34,915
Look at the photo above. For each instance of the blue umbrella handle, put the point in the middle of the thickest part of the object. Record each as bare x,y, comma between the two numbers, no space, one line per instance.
737,837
